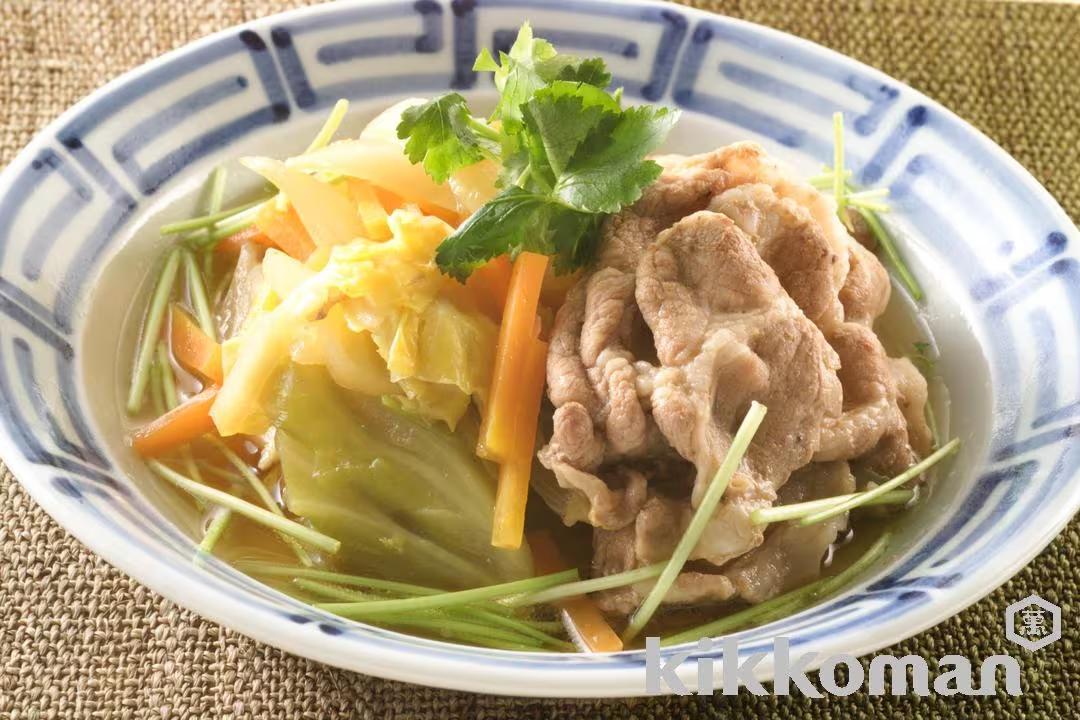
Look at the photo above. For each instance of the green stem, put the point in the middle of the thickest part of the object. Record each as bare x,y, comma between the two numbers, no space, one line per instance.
215,530
248,510
222,473
466,612
333,122
482,128
208,220
240,222
264,496
785,604
583,587
157,394
702,515
151,330
491,592
865,497
461,631
824,180
794,511
267,569
168,380
931,424
197,292
172,399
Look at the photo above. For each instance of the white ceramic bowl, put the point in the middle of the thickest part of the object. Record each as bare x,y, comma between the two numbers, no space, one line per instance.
80,207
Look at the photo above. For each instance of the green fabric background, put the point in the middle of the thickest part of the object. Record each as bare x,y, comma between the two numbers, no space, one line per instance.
80,640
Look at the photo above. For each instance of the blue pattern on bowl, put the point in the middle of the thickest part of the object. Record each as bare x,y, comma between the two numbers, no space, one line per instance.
87,177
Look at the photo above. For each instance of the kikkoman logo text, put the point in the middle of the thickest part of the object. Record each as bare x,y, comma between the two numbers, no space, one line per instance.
1032,623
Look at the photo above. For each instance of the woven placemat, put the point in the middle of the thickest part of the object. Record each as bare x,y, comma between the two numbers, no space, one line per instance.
80,640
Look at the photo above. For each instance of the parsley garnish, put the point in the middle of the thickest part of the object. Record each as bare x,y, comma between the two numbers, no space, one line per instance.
569,152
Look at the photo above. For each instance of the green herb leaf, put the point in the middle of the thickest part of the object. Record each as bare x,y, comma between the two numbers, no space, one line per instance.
609,171
570,154
560,117
531,64
500,225
439,134
590,71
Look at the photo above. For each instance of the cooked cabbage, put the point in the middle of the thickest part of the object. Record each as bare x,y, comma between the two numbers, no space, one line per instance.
363,473
388,296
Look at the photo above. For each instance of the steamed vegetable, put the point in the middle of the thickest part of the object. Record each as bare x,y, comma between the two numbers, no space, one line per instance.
409,501
437,355
569,154
517,336
582,615
381,163
284,229
515,470
177,427
155,317
192,348
327,214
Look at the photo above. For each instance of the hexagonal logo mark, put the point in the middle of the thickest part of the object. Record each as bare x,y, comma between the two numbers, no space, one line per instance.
1033,623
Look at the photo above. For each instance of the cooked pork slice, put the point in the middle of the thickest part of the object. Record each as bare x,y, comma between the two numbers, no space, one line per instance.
866,290
611,503
791,554
596,384
870,408
793,245
783,217
912,396
728,281
909,437
726,333
789,557
883,422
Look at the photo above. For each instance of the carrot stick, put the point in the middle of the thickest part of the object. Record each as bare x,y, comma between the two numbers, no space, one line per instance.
193,348
285,230
582,612
512,494
182,424
516,337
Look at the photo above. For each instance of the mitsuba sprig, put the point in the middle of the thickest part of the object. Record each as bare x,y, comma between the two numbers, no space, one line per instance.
569,153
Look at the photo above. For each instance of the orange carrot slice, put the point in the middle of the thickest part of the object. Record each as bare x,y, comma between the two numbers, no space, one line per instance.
285,230
586,618
508,525
517,333
184,423
193,348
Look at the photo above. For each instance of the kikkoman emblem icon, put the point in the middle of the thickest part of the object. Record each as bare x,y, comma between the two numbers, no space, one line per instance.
1033,623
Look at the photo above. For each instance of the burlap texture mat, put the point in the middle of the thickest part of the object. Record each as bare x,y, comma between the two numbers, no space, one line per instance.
80,640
